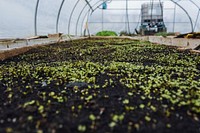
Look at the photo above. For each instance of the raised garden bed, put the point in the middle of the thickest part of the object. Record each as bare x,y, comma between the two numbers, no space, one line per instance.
101,86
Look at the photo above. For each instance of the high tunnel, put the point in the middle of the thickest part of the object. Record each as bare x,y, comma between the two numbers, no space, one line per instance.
21,18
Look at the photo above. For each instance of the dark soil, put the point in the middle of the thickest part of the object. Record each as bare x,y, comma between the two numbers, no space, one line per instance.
52,89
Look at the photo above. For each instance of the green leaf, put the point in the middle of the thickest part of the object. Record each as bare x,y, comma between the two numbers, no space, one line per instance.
92,117
81,128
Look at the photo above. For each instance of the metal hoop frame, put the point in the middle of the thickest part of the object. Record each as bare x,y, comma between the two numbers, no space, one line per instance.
94,7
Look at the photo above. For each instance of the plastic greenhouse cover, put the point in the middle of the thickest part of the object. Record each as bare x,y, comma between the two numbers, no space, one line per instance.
17,17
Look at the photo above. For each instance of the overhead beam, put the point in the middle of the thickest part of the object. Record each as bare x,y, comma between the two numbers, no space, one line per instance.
197,18
35,22
88,3
79,18
71,14
58,16
96,5
190,19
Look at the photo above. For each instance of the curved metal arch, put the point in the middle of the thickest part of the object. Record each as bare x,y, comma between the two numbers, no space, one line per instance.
176,3
194,4
161,5
197,20
58,16
190,19
37,5
91,12
69,22
35,19
127,17
87,13
197,14
81,14
174,17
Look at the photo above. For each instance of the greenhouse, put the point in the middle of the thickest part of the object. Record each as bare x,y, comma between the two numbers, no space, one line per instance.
40,17
99,66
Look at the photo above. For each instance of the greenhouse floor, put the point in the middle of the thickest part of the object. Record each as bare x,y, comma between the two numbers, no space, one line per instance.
12,47
101,86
